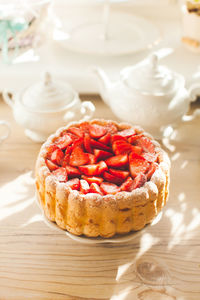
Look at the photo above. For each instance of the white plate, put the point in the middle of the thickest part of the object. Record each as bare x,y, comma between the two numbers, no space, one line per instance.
99,240
127,34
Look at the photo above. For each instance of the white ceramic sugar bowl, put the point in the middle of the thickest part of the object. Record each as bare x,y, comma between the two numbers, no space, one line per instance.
148,94
47,105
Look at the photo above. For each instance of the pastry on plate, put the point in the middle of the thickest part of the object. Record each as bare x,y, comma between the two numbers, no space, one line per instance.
102,178
191,25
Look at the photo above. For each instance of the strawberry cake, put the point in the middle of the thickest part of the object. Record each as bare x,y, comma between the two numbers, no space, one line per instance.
102,178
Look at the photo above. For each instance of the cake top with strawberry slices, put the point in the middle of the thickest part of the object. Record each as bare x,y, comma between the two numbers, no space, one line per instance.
101,157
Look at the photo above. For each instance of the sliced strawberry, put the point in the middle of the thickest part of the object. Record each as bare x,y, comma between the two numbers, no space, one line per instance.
69,150
87,143
105,139
76,131
139,181
60,174
51,165
95,169
111,128
117,161
111,178
116,137
101,154
134,138
92,159
133,155
150,157
109,188
94,188
74,183
127,185
57,157
136,149
137,164
121,147
78,157
66,160
78,142
118,173
64,141
93,179
127,132
72,136
84,126
102,167
96,131
72,171
84,186
51,149
152,169
146,144
98,145
89,170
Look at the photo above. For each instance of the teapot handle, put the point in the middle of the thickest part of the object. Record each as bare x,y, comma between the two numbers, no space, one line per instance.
87,110
7,98
8,130
193,90
193,116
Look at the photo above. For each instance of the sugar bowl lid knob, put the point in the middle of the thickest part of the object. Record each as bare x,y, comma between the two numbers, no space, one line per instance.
48,94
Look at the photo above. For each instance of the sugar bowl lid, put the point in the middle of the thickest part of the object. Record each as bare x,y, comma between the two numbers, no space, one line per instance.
150,78
47,95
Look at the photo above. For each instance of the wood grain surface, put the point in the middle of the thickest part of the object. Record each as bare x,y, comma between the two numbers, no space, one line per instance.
38,262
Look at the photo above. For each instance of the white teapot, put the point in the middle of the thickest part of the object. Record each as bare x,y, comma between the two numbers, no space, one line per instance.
47,105
148,94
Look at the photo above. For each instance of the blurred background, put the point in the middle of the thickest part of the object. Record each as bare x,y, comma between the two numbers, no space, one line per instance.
140,57
68,37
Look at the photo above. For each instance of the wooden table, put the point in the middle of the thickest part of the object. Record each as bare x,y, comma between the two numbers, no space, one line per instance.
37,262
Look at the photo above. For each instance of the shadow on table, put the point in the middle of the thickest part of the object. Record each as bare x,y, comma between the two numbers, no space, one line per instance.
151,266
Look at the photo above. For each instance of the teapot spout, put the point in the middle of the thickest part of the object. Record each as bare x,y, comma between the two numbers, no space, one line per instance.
104,83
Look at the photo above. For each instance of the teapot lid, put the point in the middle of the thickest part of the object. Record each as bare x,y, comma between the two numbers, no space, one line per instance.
47,95
149,77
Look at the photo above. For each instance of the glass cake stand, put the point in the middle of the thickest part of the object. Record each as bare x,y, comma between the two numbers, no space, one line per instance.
117,33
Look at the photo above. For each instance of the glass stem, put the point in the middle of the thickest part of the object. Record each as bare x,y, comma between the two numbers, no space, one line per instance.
106,16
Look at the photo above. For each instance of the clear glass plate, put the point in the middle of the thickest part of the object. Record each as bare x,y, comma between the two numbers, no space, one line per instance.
126,34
